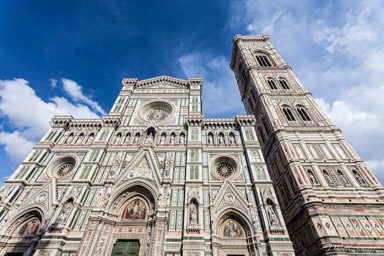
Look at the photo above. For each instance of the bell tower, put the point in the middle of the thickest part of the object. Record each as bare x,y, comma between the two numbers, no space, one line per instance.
332,204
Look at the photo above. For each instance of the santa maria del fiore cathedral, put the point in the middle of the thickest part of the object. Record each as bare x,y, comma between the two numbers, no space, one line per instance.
154,177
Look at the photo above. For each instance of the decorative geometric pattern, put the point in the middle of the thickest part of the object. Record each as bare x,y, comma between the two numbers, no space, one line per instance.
224,170
157,114
64,169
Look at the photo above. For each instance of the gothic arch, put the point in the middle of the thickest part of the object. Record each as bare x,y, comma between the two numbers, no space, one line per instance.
130,215
24,214
233,234
22,230
133,187
236,214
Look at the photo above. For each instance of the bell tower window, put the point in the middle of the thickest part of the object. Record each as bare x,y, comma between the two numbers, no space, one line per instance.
272,84
263,61
303,114
288,114
284,84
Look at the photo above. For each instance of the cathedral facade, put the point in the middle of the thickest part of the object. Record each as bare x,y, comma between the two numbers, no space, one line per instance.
154,177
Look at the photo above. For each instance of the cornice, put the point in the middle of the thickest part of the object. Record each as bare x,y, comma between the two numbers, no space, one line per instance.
246,120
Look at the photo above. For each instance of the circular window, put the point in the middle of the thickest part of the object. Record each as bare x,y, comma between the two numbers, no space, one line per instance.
157,111
224,170
62,167
223,167
157,114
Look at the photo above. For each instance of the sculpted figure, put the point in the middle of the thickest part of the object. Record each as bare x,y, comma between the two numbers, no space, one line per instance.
221,139
210,138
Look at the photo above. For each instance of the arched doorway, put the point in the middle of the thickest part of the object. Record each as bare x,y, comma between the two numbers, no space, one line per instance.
233,236
126,226
23,234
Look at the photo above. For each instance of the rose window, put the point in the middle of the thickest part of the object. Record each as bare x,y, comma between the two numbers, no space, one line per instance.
157,114
63,169
156,111
224,167
62,166
224,170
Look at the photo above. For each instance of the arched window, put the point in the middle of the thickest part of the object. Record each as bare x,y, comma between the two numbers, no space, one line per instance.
263,60
342,177
312,178
272,84
359,179
69,139
79,138
328,178
288,114
90,138
284,84
303,113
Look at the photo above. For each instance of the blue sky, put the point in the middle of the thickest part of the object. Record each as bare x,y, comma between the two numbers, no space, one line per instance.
69,57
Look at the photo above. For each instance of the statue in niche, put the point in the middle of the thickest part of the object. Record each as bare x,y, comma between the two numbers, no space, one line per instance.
192,213
137,139
162,139
232,138
172,140
221,139
210,138
149,138
127,138
272,216
67,207
118,138
182,138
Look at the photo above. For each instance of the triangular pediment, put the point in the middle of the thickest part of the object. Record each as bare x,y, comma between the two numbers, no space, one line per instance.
143,165
45,197
163,82
229,197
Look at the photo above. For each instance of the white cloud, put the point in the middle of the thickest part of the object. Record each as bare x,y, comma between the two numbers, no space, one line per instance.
53,82
336,49
74,90
16,145
28,116
220,93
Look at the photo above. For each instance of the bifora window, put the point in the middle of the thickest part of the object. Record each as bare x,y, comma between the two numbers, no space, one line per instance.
272,84
288,114
284,84
263,60
303,114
